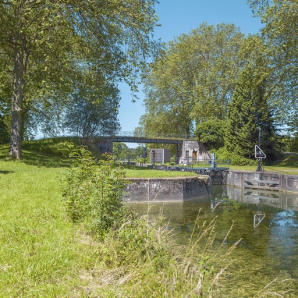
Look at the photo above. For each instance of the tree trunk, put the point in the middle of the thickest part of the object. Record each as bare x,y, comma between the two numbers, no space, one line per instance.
20,61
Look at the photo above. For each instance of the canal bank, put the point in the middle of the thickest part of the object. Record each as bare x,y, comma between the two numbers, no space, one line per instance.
262,180
179,189
176,189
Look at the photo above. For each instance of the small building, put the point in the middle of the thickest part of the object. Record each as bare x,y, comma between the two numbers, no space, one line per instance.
193,151
160,155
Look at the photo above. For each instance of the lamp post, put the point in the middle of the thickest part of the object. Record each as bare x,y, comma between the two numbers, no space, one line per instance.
259,168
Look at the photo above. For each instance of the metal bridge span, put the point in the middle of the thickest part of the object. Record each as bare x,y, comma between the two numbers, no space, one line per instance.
105,143
130,139
187,149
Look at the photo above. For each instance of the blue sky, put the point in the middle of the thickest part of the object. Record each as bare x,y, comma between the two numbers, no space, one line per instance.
181,16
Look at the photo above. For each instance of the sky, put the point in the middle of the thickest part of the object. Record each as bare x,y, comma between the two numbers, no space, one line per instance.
181,16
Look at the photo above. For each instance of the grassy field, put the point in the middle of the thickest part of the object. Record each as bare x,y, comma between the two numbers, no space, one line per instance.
41,253
287,165
44,254
138,172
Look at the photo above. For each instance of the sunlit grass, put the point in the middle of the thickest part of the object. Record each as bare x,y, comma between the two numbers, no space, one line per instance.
39,253
43,254
150,173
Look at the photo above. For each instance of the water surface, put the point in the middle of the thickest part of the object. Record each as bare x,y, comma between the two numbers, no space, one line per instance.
266,221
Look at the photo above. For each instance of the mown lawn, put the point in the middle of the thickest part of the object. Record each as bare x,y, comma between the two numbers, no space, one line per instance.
138,172
41,254
288,165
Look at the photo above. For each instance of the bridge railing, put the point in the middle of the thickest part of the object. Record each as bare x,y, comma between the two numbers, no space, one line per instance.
146,135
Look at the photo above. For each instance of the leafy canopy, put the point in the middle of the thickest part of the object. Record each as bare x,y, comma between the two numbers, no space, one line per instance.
46,45
192,80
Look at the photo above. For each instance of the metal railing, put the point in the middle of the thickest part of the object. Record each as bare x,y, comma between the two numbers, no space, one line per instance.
146,135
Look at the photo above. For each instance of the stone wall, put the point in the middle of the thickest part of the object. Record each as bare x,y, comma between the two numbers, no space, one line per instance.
166,189
283,182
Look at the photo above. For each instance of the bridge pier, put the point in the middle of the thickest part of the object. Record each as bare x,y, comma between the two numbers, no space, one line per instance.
179,151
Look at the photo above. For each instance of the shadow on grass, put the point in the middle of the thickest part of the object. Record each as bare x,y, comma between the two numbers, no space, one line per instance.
41,160
288,161
6,172
37,159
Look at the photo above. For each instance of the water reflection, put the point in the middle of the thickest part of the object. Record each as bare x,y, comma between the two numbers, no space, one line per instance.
267,221
288,201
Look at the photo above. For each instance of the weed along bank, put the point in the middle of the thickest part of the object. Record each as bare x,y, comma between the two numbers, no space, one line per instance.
177,189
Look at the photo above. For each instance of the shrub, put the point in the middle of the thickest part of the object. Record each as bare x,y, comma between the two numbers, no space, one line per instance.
93,190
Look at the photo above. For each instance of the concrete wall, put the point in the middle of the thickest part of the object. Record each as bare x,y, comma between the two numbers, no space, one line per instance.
284,182
166,189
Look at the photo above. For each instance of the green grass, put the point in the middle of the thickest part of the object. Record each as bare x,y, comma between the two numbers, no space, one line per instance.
44,254
287,165
138,172
39,253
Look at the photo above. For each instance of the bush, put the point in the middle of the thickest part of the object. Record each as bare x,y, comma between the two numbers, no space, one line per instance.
4,135
93,190
236,159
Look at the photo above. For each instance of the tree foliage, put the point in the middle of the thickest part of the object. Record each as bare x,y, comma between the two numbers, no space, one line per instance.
88,116
192,80
280,35
47,43
4,136
248,110
120,150
211,132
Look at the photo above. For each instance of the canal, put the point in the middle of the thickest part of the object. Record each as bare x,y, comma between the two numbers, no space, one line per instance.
265,221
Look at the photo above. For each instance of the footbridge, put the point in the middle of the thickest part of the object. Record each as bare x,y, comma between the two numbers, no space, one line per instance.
142,140
188,148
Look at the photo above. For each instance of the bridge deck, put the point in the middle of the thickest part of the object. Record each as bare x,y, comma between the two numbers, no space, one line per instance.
126,139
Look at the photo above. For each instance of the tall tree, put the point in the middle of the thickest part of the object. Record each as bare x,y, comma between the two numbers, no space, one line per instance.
280,35
44,39
88,115
248,110
192,80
